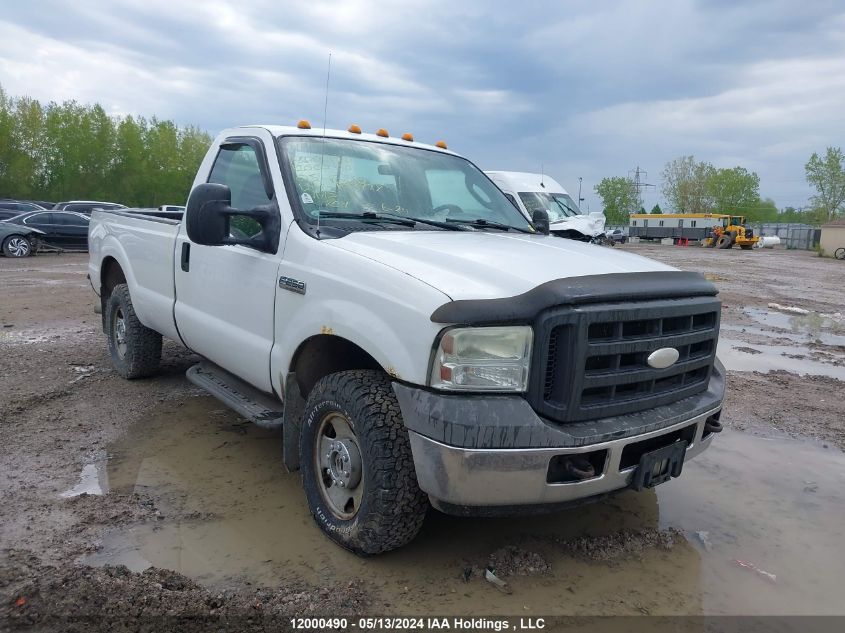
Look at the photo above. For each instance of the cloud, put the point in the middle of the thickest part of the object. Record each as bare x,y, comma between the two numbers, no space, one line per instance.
586,89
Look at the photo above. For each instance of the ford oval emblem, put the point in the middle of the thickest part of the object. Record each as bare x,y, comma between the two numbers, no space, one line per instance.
662,358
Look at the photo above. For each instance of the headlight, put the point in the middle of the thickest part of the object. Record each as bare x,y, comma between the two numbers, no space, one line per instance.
483,359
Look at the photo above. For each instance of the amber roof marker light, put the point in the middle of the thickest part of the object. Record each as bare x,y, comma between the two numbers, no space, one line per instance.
303,125
441,145
407,136
354,129
383,133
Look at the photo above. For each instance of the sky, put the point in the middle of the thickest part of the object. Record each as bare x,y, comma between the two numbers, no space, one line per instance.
582,89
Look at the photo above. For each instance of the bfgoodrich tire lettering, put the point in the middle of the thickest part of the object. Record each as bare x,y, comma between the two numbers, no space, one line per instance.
135,349
392,507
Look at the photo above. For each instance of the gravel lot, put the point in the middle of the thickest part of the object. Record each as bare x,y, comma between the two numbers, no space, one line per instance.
186,518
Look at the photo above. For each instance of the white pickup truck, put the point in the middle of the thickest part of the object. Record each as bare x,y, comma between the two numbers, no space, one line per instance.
416,338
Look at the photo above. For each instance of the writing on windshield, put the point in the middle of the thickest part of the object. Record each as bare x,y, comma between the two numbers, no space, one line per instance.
335,179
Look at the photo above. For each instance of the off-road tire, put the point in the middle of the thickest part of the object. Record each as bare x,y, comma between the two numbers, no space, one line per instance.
7,246
392,507
724,241
142,355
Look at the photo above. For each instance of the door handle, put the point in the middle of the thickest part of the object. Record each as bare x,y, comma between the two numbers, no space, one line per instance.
186,256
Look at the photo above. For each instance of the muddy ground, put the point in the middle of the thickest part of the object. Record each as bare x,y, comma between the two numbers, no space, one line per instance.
147,502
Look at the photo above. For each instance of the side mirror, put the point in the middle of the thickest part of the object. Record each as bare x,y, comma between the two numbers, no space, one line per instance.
540,219
209,212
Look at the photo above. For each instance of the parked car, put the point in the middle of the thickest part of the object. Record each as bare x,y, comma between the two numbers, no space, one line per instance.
11,208
418,340
17,240
617,236
86,206
60,229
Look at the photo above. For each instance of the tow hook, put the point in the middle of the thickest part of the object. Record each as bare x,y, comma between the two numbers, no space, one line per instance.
712,425
579,468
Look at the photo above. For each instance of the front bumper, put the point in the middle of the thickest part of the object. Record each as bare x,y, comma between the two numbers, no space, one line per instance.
498,452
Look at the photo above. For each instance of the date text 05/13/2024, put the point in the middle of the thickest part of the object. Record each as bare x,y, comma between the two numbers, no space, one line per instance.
455,623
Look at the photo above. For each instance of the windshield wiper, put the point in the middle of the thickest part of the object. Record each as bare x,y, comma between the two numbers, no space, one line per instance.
442,225
366,215
393,218
489,224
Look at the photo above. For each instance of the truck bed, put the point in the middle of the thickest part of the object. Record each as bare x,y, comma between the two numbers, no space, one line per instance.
142,242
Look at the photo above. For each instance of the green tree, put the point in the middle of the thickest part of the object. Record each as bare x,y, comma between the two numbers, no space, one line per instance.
656,209
827,176
685,185
733,190
619,197
759,211
70,150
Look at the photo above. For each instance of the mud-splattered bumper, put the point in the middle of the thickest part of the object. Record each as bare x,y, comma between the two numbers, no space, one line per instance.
495,451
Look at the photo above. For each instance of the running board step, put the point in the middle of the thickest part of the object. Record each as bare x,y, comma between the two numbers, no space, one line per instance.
254,405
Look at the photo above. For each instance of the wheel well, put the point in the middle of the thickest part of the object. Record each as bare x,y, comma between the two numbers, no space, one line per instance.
111,274
326,354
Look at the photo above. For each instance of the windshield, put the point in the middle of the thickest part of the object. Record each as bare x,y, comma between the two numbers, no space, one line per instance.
558,205
338,176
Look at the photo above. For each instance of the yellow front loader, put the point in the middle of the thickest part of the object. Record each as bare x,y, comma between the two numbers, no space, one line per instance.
732,231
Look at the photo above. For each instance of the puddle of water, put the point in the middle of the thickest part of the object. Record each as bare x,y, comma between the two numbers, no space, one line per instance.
758,331
777,357
814,327
748,493
93,481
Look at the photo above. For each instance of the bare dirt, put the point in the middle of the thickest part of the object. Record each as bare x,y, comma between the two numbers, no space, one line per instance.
148,502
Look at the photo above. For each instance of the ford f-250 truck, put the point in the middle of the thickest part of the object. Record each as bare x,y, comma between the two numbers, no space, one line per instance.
419,341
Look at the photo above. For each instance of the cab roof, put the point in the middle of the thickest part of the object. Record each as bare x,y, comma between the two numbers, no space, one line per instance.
290,130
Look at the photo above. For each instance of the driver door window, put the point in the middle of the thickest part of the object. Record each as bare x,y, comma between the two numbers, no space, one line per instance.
238,168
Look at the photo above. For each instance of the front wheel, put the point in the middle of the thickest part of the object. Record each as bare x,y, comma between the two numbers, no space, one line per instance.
357,469
17,246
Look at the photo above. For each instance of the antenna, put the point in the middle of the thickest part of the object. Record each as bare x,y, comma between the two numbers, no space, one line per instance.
323,142
541,176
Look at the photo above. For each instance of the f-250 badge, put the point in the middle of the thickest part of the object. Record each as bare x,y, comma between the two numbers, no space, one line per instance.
294,285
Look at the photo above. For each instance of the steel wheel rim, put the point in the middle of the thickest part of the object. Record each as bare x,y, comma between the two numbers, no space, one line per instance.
119,329
18,247
338,465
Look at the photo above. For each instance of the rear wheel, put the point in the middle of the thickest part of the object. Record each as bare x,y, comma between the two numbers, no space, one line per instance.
357,469
135,349
17,246
839,253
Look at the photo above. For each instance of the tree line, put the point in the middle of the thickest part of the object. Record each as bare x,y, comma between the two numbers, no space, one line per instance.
691,186
67,151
